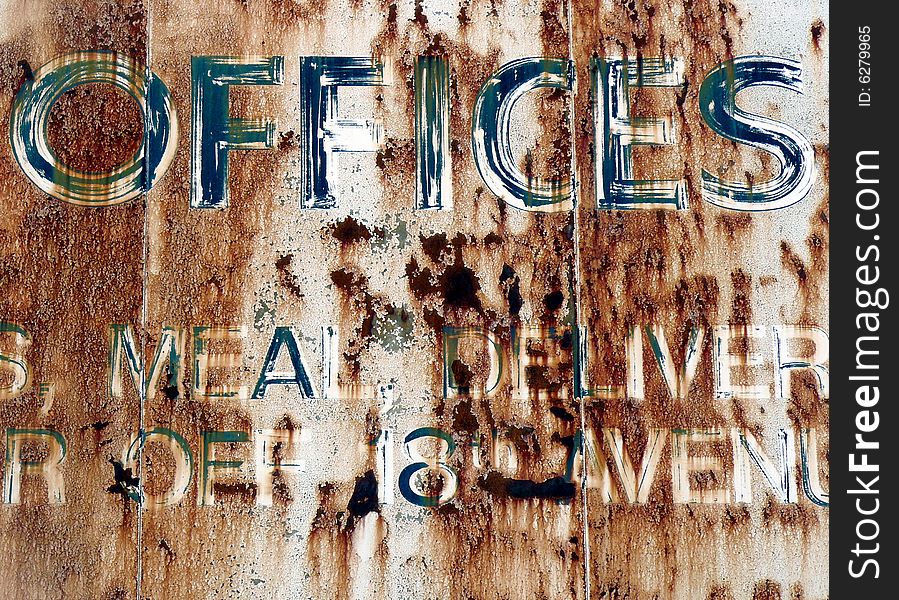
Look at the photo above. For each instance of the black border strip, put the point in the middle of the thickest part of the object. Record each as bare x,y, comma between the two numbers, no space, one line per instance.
860,124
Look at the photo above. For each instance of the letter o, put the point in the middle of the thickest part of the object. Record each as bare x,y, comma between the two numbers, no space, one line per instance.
861,194
30,114
184,464
858,529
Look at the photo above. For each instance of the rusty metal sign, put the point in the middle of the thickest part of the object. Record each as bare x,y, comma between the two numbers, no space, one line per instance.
445,299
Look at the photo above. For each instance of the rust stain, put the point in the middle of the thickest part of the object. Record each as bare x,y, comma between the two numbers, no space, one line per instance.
767,590
817,30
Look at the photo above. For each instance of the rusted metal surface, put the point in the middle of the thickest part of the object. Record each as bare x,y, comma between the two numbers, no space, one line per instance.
566,361
66,274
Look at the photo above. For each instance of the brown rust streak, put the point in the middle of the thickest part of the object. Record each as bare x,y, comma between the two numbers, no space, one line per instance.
344,513
488,531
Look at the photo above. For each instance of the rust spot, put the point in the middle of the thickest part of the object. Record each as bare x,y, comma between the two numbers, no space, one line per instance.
553,300
463,17
555,488
561,413
734,224
170,391
738,412
463,417
349,231
15,69
792,262
817,30
741,307
460,286
287,140
245,490
720,592
523,438
364,499
286,276
421,282
364,308
77,25
286,423
420,18
737,516
96,426
795,516
348,281
280,489
766,590
807,408
328,545
395,159
388,34
512,284
434,245
169,553
457,283
27,73
493,239
463,375
553,33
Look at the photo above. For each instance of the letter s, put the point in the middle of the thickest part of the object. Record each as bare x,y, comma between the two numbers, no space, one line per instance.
717,102
864,568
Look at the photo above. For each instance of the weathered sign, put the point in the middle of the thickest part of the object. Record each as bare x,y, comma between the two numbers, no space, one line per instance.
414,299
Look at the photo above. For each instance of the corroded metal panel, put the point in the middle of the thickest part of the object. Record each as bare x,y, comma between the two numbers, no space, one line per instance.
416,300
372,283
708,281
66,272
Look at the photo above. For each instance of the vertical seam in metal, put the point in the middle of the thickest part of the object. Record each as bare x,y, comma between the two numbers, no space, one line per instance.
576,334
144,317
